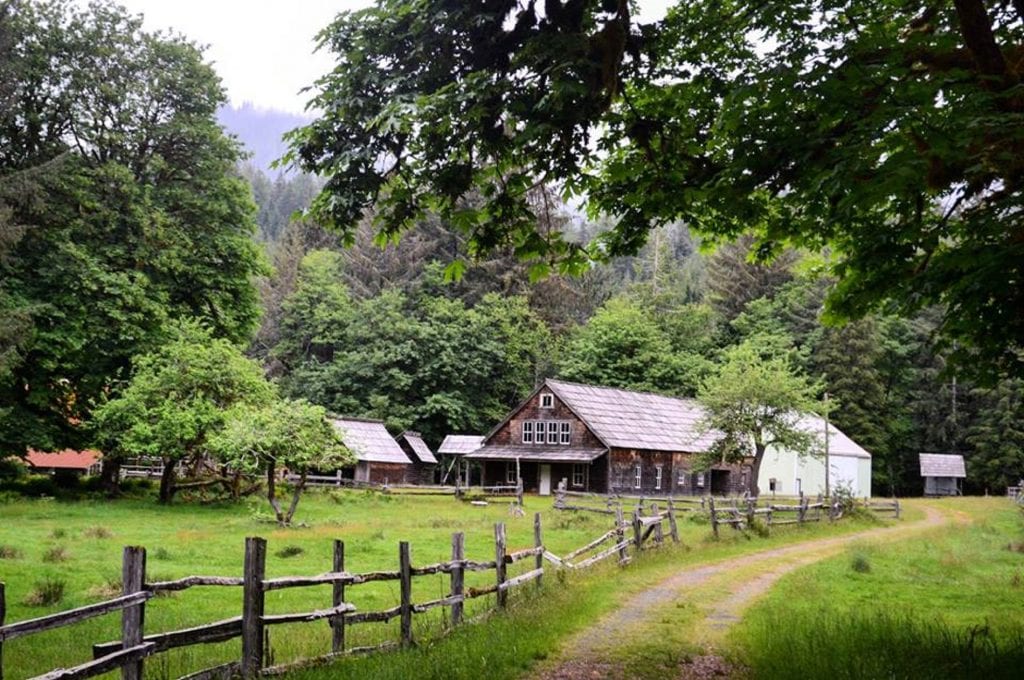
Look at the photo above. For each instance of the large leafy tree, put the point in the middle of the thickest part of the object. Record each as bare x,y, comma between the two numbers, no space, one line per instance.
179,397
285,435
130,214
891,131
754,402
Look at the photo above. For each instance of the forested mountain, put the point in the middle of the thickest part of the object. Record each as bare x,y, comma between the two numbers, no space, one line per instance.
260,131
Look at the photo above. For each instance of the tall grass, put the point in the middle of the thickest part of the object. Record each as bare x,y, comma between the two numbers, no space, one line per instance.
879,645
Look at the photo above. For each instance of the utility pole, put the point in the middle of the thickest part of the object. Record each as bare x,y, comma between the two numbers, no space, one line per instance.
828,491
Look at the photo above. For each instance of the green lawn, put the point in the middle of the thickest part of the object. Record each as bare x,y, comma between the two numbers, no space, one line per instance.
208,539
946,604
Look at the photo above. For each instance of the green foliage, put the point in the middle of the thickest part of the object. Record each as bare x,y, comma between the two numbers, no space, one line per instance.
886,130
178,396
429,362
622,345
756,401
996,437
121,183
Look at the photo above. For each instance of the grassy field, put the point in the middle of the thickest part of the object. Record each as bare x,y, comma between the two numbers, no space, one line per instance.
79,544
947,604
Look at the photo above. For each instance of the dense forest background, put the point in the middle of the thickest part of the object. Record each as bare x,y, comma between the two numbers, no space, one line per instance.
378,332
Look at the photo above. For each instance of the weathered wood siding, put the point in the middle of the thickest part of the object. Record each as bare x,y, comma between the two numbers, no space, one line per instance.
378,473
595,478
511,433
676,474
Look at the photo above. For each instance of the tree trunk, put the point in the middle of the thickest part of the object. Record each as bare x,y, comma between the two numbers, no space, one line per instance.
295,497
271,490
755,470
167,480
110,476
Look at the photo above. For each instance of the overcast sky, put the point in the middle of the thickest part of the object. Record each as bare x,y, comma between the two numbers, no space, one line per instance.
263,49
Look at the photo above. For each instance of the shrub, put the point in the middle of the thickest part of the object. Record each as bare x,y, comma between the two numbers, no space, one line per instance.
112,587
59,532
12,468
47,592
38,485
161,553
9,552
860,563
289,551
97,532
57,553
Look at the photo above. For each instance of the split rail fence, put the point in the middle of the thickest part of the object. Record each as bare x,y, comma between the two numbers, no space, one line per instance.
128,653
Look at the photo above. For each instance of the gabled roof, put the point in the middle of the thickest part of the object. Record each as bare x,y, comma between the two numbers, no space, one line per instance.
460,444
942,465
838,443
419,447
369,440
636,420
63,460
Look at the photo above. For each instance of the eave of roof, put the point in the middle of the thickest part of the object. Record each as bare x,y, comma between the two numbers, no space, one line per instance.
530,454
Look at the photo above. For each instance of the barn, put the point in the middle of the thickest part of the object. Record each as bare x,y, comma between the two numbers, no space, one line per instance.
380,459
942,473
785,473
604,440
424,464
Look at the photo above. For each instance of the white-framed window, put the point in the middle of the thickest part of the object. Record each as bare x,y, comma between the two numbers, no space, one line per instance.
681,479
637,477
657,477
510,473
566,437
552,432
579,474
700,480
528,432
547,400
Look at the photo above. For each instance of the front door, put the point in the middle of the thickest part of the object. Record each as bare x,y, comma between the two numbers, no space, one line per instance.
545,480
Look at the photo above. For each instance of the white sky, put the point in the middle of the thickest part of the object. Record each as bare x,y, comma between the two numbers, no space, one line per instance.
263,49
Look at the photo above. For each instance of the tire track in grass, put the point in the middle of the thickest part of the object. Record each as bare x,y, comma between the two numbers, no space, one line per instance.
589,654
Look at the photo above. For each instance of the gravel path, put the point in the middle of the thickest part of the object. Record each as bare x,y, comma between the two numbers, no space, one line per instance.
592,644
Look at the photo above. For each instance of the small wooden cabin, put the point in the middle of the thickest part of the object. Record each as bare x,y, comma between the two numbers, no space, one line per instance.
942,474
379,458
424,464
604,440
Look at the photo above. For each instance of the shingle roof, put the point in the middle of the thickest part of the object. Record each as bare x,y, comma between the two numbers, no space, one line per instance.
942,465
636,420
553,454
66,459
838,443
369,440
460,444
419,447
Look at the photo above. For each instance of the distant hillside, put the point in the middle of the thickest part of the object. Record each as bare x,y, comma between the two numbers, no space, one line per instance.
260,130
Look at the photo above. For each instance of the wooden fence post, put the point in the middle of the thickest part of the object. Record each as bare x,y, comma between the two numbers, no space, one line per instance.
458,555
255,570
714,517
499,561
405,580
750,512
3,615
658,534
620,535
538,543
896,503
801,511
338,596
638,537
133,579
672,528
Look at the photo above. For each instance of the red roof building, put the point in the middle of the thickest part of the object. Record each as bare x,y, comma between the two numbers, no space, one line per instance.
85,462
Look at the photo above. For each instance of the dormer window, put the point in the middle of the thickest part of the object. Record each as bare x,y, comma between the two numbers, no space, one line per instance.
547,400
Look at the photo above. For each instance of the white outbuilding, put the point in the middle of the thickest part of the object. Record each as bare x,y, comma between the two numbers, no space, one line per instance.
785,473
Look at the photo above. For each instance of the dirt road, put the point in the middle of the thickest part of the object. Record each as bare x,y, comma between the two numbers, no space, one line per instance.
591,653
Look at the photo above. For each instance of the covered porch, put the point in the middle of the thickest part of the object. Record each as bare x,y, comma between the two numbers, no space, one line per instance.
584,469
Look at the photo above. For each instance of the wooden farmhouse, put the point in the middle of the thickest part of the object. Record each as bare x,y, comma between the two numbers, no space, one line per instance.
379,458
942,474
604,440
424,464
452,452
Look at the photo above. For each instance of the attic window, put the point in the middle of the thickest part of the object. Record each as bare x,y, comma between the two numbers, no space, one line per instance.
547,400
